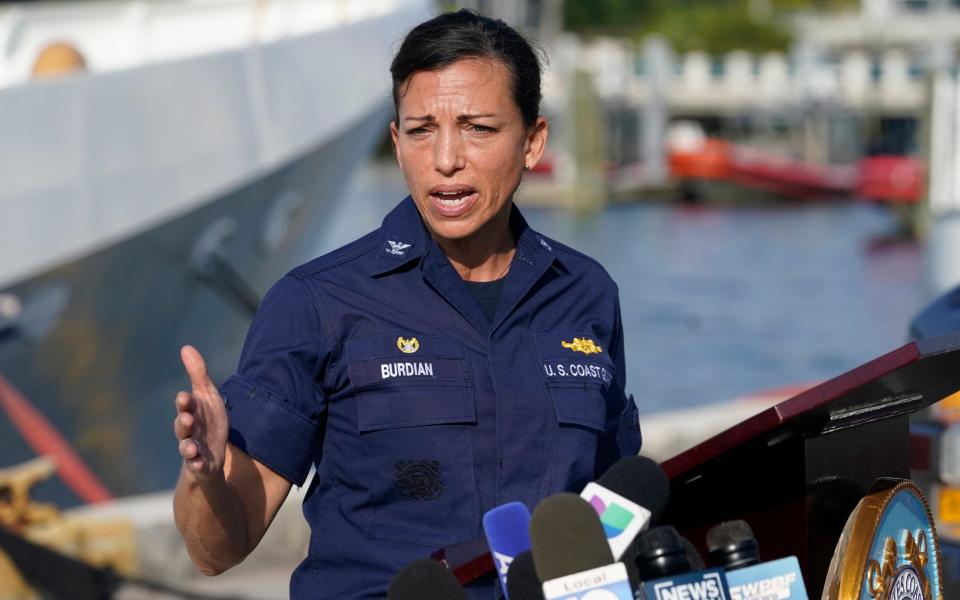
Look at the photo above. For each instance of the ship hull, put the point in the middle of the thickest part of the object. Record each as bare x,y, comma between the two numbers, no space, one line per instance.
97,351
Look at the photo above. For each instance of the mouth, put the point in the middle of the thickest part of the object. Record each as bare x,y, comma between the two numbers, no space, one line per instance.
452,200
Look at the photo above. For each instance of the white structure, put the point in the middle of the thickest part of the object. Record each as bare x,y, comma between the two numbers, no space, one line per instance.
181,101
697,83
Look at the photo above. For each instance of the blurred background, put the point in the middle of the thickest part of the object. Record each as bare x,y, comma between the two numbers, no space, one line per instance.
772,183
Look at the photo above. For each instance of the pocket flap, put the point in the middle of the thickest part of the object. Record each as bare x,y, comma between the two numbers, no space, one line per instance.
580,406
394,407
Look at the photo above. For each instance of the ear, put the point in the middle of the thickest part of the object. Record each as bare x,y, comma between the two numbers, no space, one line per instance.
536,142
395,136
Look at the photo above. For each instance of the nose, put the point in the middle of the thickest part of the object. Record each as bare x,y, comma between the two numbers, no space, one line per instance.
448,152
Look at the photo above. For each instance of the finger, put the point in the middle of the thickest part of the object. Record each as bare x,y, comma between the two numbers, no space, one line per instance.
196,368
183,425
196,465
188,449
185,402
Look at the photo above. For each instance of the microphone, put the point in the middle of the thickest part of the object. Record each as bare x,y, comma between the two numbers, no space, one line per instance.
567,537
507,528
425,579
522,581
634,486
663,563
731,545
626,498
661,553
571,554
640,480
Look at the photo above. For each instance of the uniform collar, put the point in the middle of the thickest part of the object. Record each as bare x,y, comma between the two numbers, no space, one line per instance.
404,239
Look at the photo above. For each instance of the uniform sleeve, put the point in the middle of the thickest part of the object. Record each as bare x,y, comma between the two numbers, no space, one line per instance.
621,435
274,401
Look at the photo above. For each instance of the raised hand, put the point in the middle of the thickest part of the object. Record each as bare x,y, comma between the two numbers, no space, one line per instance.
201,423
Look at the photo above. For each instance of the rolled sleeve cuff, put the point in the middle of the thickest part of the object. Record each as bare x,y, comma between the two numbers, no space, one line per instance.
269,430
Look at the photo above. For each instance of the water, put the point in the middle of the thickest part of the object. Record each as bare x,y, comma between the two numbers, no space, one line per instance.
719,302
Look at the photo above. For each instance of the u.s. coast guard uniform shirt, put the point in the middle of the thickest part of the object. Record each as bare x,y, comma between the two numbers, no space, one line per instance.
375,364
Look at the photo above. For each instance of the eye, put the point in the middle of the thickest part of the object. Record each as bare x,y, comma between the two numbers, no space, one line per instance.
417,131
481,128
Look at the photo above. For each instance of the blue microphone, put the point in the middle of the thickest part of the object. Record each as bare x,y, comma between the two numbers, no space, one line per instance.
507,528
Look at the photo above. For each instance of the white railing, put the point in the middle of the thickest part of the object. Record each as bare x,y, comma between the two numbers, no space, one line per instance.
113,35
744,81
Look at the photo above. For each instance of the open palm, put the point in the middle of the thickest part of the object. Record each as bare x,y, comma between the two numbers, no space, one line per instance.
201,423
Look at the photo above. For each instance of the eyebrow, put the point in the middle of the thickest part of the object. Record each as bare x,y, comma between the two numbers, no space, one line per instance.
460,118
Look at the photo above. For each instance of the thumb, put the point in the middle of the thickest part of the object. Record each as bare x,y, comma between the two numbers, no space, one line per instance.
196,368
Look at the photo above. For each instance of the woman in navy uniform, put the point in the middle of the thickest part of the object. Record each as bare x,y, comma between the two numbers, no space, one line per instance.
451,361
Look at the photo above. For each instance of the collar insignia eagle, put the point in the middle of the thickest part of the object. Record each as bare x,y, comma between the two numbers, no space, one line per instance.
408,346
585,345
396,248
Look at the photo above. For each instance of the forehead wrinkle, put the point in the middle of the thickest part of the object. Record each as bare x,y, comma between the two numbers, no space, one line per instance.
447,89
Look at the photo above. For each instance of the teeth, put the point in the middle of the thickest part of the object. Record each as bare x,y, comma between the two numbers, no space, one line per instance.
452,199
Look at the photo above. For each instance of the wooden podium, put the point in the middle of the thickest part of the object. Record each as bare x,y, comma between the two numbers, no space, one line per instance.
795,471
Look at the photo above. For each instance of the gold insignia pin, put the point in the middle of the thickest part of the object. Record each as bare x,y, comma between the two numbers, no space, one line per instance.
408,346
585,345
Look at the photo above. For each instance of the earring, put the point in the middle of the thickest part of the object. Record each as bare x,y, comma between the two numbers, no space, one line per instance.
526,167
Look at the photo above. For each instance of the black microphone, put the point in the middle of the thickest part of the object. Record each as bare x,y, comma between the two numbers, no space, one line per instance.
661,553
666,564
640,480
522,581
731,545
425,579
567,537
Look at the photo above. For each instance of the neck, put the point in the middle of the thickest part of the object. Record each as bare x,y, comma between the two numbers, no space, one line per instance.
485,255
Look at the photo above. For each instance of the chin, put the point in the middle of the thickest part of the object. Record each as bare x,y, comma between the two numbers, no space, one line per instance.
450,231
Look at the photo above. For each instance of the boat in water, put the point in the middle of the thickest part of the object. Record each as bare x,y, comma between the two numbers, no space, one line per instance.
162,164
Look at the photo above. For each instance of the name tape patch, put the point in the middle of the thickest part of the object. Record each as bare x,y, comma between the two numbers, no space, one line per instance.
561,369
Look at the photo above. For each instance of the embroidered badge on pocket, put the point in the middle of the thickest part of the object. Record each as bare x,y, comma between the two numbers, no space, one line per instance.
419,479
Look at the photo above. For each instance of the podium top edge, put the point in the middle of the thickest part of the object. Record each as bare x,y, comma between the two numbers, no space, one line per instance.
899,382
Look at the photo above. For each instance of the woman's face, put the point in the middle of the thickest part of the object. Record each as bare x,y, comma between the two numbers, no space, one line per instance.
462,144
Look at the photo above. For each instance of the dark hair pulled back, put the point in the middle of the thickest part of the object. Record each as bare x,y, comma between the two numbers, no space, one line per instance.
454,36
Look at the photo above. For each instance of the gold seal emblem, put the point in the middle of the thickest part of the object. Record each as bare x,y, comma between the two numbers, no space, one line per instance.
585,345
408,346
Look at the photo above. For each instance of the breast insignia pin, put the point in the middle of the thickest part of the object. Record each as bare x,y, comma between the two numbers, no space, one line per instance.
585,345
408,346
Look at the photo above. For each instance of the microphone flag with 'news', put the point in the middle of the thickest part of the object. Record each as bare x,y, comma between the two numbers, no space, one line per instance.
731,545
709,584
507,528
571,553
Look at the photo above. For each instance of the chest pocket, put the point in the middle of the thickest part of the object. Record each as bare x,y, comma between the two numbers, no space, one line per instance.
415,409
577,372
